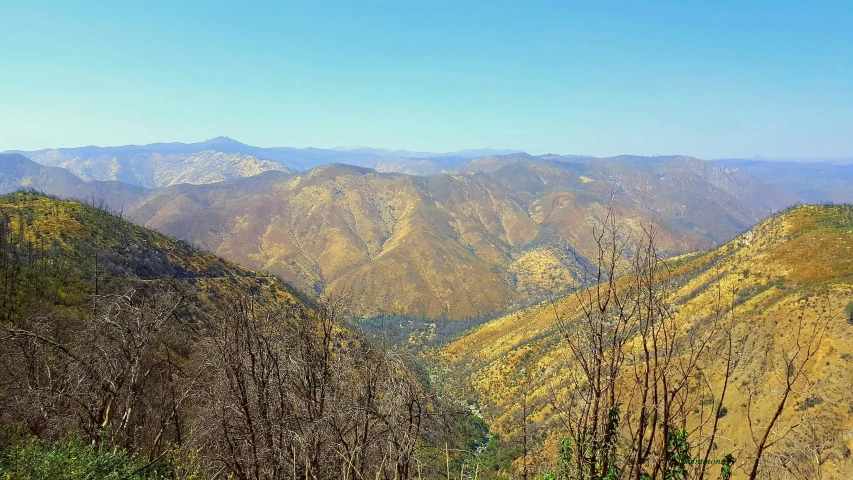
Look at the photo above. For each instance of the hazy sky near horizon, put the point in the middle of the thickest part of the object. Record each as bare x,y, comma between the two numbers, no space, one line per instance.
709,79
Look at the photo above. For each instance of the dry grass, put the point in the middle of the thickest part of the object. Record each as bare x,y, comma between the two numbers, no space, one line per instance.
797,263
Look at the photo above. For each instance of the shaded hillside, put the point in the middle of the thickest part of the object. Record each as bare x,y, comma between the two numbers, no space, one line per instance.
814,181
794,267
501,233
18,172
690,195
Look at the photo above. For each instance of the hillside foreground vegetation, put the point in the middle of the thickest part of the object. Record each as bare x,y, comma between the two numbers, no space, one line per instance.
729,364
128,354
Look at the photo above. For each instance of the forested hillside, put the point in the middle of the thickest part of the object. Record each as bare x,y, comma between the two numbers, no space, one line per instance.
127,339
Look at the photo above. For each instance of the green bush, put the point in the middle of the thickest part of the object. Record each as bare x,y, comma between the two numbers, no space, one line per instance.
35,459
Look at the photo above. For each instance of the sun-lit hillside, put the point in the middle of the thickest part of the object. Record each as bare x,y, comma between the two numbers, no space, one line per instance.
799,263
88,246
502,232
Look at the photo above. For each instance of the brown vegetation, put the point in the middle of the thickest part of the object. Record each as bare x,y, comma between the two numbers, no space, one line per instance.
198,365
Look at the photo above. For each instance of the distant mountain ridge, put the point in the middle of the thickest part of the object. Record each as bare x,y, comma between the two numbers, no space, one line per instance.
814,181
156,166
18,172
162,164
468,153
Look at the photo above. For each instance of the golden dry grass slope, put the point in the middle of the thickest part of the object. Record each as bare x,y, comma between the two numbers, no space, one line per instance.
799,263
78,247
498,234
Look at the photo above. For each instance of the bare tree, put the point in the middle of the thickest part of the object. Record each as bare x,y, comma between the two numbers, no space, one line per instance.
292,392
103,376
638,372
641,377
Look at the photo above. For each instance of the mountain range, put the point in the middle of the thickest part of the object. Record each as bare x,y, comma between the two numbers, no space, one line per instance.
494,233
500,240
813,181
162,164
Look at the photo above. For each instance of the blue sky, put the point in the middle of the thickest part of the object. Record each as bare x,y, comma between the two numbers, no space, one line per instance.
710,79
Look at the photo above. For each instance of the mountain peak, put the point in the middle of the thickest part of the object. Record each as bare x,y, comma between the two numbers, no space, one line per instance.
223,142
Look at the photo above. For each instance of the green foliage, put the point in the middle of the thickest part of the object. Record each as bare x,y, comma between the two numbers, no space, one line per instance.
606,455
564,449
39,460
831,216
565,452
678,455
809,402
495,457
484,452
726,470
475,431
849,311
